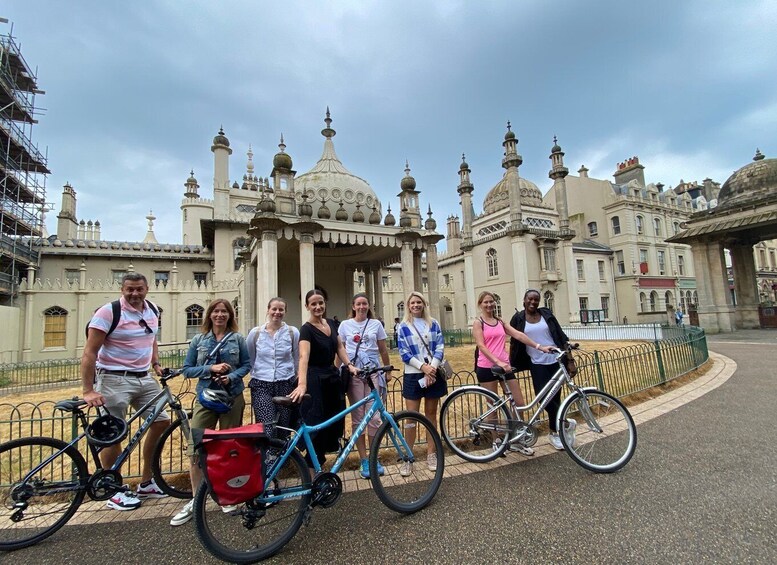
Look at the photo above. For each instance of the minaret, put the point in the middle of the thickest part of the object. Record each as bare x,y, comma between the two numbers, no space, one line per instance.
150,237
283,180
558,173
453,238
465,189
67,225
221,153
191,186
510,163
250,182
408,198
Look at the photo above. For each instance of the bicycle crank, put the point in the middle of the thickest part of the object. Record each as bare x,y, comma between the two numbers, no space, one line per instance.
104,484
327,489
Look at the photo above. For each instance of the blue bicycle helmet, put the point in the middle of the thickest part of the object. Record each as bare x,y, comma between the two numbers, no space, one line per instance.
218,401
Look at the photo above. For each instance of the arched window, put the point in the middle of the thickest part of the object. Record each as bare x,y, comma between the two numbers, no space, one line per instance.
401,310
593,231
54,327
640,225
548,299
493,264
695,298
616,225
653,301
657,227
669,298
236,307
642,302
676,227
194,314
238,246
688,299
497,306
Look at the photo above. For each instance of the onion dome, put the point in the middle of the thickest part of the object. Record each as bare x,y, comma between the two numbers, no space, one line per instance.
221,139
266,205
358,216
305,209
750,183
375,216
510,134
191,179
235,185
282,160
408,182
341,213
430,224
464,166
404,219
389,220
556,147
323,211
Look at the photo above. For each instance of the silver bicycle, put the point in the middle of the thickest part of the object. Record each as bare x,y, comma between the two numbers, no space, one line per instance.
598,432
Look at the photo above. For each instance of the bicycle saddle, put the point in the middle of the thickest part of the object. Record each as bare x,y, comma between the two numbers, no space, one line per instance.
70,405
286,401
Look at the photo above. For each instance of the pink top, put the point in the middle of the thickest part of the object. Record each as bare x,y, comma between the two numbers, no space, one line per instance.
130,346
494,339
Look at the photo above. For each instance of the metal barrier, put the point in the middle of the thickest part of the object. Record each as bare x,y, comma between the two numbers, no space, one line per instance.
621,372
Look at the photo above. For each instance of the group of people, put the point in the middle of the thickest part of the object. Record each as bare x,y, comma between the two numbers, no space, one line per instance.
302,364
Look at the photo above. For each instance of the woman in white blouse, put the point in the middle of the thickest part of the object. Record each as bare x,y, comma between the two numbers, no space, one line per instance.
273,349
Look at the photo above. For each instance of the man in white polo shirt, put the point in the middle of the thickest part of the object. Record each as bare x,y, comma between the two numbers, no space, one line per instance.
114,374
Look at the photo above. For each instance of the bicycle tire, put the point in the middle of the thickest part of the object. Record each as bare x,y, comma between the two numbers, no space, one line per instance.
463,431
167,454
604,451
405,493
229,537
59,488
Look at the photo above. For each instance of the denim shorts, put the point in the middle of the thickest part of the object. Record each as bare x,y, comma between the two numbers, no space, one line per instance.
413,391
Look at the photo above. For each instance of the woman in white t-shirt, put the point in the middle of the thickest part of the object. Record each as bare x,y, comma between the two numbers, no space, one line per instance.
364,338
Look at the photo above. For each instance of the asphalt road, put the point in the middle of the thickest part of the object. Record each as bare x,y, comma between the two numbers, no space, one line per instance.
702,486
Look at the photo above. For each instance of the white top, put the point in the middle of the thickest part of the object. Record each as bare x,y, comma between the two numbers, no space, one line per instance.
540,333
273,357
369,335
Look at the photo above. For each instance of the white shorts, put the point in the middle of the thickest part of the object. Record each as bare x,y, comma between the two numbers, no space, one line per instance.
122,391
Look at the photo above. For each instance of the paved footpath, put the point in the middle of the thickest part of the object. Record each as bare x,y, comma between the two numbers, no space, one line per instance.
701,486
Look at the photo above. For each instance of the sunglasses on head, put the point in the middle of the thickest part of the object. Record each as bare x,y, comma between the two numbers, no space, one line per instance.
145,327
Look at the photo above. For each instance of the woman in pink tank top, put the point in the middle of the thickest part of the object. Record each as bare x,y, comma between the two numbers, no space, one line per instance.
490,334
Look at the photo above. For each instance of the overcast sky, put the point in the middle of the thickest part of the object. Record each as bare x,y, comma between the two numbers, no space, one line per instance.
135,92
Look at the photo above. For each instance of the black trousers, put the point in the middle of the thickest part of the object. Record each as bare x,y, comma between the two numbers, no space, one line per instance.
540,376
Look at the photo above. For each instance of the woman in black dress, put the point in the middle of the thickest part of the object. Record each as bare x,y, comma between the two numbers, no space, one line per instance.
317,375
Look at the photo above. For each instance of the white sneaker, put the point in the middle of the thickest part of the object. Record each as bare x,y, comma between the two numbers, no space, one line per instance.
229,508
151,490
569,432
522,449
431,461
555,441
184,515
406,469
124,501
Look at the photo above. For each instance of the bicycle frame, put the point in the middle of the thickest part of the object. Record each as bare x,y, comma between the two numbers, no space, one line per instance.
303,433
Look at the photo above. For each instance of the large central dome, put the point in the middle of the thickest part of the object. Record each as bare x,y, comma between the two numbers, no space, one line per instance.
498,198
331,181
750,183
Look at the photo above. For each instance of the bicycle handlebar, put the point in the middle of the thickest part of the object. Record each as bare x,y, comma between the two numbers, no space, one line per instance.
366,371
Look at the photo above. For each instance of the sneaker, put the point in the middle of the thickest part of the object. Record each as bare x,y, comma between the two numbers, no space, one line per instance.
406,469
516,447
381,469
150,490
431,461
124,501
184,515
569,432
365,469
229,508
555,441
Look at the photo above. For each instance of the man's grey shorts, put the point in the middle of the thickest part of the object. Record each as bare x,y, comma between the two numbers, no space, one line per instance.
122,391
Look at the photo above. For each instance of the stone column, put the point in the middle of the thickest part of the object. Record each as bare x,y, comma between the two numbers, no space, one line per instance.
432,272
418,276
377,293
408,280
570,273
249,307
269,267
82,316
716,311
745,285
307,278
520,268
29,302
470,302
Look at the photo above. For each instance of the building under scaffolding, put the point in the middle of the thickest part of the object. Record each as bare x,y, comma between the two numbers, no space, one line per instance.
23,169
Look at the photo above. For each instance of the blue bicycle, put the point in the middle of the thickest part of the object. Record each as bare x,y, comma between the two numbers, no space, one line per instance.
259,528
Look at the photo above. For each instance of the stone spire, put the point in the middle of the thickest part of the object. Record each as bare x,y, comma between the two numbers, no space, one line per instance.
408,198
510,162
558,173
465,189
191,186
150,237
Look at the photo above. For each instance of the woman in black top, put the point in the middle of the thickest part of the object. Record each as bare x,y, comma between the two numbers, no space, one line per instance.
317,375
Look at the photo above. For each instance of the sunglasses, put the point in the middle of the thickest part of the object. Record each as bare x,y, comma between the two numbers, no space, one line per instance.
145,327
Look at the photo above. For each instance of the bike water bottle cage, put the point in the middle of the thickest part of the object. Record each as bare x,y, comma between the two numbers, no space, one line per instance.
106,430
218,401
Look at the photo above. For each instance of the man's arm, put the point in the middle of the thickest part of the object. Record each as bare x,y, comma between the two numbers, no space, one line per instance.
94,341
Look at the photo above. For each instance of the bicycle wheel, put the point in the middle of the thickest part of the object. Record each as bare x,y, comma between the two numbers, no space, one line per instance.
406,486
34,507
605,436
170,463
474,422
259,528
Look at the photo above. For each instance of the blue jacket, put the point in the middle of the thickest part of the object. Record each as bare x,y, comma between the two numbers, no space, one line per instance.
234,351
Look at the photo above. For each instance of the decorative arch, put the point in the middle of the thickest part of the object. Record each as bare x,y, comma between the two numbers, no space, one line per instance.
493,262
497,306
548,300
194,318
54,327
642,302
653,301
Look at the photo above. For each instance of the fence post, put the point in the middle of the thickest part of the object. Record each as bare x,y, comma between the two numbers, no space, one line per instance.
598,366
660,359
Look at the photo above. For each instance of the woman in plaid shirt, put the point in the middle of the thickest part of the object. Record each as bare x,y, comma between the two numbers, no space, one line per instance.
421,346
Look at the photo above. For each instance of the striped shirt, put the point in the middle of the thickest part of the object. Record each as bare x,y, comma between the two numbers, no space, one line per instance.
412,348
130,346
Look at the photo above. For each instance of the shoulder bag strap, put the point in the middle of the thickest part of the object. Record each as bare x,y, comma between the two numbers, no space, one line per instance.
426,345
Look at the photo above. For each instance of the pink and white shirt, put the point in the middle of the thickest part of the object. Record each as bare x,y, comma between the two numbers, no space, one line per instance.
130,346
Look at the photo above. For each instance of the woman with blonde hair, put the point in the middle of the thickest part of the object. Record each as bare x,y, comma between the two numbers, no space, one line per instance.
490,333
421,346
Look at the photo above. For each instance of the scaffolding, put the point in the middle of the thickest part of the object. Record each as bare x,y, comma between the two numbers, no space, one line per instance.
23,169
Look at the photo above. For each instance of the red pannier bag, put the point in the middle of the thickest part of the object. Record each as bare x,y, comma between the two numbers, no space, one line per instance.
233,462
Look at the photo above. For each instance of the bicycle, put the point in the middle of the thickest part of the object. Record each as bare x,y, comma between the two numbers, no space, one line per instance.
262,526
44,480
479,426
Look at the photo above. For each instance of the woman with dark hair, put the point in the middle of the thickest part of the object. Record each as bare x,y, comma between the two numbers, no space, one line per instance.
364,338
317,375
218,357
541,326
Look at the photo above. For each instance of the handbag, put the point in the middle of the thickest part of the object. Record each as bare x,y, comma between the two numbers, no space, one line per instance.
444,369
345,374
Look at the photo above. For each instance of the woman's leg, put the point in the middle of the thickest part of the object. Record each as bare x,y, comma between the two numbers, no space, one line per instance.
430,411
541,375
415,406
357,390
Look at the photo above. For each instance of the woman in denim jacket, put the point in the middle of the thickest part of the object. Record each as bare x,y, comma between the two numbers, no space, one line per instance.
224,370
